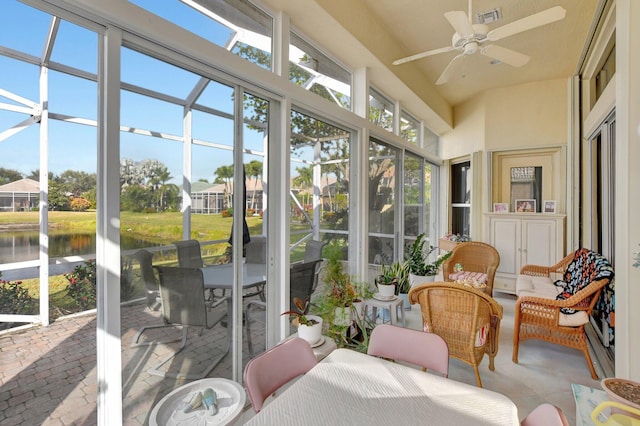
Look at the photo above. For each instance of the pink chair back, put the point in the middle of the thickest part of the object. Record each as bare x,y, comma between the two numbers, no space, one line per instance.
266,373
428,350
545,415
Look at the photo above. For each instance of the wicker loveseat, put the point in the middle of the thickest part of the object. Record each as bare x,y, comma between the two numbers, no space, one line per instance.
466,318
557,311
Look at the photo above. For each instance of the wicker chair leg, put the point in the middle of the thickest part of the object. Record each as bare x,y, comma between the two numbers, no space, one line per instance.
585,351
491,365
475,367
516,334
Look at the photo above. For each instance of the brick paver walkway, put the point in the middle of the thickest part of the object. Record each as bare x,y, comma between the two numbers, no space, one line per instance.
48,374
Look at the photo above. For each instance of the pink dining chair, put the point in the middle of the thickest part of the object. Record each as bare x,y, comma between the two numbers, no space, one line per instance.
266,373
428,350
545,415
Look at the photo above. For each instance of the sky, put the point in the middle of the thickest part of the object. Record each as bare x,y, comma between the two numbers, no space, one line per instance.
73,146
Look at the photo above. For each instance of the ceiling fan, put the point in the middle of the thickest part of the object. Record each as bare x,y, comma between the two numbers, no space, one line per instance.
469,37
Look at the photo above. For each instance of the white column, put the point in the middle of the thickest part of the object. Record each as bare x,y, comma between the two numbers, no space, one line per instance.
627,177
44,195
108,345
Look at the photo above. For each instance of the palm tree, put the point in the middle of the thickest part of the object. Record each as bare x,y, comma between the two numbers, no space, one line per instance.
254,170
304,180
225,174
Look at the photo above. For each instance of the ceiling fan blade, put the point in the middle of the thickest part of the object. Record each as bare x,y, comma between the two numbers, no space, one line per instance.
532,21
460,23
422,55
448,71
505,55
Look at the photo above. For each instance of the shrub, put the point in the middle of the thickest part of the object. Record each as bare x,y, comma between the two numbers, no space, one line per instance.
79,204
127,279
15,299
82,285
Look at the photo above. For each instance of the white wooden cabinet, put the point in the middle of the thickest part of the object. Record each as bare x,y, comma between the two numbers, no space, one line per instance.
524,239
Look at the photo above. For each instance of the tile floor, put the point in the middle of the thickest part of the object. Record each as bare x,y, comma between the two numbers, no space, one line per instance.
47,375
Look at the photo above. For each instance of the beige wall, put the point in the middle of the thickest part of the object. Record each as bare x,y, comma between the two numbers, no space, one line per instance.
526,116
529,115
468,134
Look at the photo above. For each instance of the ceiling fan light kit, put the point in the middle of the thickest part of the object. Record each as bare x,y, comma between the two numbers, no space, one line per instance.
468,39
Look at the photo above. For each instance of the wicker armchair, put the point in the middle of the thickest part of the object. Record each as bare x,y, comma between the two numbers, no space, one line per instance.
548,319
474,256
466,318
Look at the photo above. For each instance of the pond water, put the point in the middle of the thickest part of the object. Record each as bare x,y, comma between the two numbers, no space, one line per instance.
22,246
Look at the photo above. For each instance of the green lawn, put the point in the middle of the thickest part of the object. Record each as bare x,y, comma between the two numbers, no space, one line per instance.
157,227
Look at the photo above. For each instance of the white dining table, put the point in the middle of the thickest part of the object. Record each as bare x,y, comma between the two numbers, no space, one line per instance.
350,388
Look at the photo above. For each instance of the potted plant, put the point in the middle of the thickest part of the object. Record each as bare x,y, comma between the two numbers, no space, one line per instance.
340,302
387,281
341,292
420,269
309,326
401,269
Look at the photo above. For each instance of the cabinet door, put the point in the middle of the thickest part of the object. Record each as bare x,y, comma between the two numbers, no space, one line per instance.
539,242
506,238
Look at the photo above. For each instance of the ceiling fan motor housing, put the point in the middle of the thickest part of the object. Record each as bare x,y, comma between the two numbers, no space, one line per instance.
470,43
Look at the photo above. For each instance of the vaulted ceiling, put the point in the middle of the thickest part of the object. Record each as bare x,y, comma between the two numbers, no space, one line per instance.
554,49
374,33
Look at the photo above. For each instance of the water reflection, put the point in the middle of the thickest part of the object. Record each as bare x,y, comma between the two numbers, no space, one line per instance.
23,246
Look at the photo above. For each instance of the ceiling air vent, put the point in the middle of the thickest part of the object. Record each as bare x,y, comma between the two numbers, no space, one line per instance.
489,16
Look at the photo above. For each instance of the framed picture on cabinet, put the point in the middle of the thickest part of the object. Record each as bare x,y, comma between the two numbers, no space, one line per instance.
549,206
526,206
501,207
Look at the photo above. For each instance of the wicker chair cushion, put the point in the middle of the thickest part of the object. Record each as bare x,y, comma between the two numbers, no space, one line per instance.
573,320
532,285
478,277
481,334
586,266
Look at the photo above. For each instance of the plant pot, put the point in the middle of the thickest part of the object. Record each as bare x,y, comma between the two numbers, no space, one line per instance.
386,290
357,305
405,301
623,391
342,316
415,280
311,333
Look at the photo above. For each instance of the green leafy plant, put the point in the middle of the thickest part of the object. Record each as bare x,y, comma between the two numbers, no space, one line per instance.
14,298
299,314
401,270
417,259
341,291
127,279
396,273
82,284
388,274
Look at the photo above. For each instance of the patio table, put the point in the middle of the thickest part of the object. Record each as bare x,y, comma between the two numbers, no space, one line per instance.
350,387
221,276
